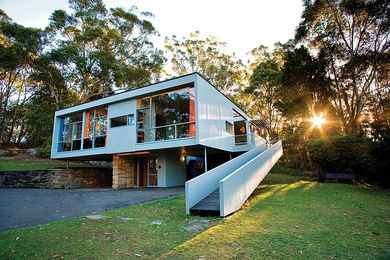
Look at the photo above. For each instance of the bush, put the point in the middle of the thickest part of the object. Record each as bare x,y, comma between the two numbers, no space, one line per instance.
289,171
9,153
45,150
342,154
382,156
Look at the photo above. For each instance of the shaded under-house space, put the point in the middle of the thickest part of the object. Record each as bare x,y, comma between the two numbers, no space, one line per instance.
159,168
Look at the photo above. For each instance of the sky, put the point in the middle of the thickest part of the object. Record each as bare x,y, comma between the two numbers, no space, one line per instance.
243,24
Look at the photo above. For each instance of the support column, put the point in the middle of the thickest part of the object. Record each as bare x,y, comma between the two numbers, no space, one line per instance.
205,159
123,171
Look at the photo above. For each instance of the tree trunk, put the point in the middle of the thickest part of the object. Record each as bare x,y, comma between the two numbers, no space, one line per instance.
8,88
21,135
13,121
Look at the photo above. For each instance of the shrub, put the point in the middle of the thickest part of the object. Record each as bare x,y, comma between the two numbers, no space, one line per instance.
289,171
342,154
45,150
9,153
382,156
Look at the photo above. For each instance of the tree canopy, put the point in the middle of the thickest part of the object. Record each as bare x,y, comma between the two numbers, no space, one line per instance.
353,38
19,52
99,50
337,66
208,57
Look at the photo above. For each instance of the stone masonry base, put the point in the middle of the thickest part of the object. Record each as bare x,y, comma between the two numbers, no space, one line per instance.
123,170
57,179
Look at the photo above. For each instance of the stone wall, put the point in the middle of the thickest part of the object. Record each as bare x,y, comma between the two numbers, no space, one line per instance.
57,179
123,170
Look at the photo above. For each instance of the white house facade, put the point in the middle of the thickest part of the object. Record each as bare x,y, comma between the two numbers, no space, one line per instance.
159,135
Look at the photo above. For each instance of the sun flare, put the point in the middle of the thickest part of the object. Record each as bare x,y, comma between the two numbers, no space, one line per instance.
318,121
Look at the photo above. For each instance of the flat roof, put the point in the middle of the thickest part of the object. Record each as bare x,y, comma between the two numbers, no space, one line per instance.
140,91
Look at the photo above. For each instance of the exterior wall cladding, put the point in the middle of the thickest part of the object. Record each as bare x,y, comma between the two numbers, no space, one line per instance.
147,142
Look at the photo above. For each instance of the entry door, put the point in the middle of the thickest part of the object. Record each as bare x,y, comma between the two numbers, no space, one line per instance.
152,172
142,171
147,174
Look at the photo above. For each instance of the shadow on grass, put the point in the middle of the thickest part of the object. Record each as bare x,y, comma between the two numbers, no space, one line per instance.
243,222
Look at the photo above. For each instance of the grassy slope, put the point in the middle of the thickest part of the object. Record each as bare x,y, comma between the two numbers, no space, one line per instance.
300,219
285,218
37,164
107,238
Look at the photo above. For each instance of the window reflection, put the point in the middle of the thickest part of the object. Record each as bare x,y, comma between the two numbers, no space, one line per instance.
166,116
95,130
70,137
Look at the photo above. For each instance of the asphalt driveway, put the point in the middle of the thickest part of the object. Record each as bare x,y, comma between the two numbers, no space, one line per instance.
28,207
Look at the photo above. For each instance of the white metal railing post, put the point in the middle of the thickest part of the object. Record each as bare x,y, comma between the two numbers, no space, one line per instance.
71,145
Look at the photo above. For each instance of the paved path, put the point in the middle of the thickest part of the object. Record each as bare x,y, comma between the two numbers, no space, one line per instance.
28,207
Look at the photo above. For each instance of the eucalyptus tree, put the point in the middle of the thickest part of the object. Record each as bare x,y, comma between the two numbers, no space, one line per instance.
99,50
264,88
265,85
306,86
19,49
207,56
353,36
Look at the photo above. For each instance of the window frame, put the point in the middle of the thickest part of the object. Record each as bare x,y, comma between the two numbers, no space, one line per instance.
153,130
120,125
229,127
129,120
96,119
61,142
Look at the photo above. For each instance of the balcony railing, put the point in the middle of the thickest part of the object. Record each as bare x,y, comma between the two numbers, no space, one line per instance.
166,132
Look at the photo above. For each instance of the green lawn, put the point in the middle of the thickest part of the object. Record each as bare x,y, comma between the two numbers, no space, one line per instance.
36,164
286,217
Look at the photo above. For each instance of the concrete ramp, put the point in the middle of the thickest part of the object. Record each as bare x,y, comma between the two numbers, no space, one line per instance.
225,188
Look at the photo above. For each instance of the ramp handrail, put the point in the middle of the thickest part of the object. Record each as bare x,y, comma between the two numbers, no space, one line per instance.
235,188
203,185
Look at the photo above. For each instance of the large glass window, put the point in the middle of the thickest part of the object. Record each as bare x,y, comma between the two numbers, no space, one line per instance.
95,131
166,116
70,133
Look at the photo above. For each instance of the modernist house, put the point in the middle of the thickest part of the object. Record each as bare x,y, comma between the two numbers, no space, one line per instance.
181,131
160,135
